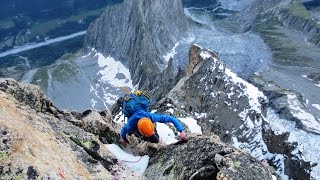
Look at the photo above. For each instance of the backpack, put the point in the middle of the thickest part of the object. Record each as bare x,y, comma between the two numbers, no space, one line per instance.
139,100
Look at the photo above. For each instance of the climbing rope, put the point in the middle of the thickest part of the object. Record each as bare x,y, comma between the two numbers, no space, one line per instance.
131,161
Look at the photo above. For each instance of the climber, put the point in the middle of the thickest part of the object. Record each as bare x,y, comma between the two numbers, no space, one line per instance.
142,125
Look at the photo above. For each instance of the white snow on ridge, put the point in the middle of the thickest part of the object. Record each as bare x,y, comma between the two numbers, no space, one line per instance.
170,110
166,134
316,106
308,144
192,125
110,69
136,163
205,55
201,115
250,91
258,149
171,53
307,119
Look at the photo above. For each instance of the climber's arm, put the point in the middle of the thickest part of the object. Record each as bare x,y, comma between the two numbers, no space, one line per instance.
124,131
166,119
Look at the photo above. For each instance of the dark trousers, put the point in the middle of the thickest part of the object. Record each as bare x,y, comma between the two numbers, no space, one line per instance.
153,139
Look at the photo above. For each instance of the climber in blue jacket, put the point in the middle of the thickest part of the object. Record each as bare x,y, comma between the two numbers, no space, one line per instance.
141,124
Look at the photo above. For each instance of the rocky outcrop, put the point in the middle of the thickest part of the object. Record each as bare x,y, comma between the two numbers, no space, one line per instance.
288,104
138,33
40,142
204,157
236,111
220,94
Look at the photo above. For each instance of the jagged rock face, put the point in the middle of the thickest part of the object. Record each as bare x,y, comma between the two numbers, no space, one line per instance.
288,104
236,110
45,143
205,158
138,32
212,89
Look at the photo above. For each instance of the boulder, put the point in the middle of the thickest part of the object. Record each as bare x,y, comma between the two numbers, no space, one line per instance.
203,157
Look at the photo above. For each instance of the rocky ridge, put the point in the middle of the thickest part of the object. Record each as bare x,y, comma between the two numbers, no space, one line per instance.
205,157
236,111
40,141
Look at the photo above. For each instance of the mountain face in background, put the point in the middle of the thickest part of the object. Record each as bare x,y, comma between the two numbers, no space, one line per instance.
137,33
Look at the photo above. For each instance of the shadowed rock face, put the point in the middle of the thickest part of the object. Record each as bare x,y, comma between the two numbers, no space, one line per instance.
204,157
138,32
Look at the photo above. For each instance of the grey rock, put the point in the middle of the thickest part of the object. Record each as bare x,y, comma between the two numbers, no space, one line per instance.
204,157
138,33
281,100
39,141
216,94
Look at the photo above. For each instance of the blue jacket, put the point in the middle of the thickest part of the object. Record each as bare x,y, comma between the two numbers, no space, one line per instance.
131,125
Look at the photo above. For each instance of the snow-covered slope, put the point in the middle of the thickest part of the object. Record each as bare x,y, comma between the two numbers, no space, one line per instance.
92,80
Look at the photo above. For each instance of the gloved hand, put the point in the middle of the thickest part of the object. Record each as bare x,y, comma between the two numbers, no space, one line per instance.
182,136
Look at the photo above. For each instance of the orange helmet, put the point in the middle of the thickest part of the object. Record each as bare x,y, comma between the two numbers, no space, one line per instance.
146,127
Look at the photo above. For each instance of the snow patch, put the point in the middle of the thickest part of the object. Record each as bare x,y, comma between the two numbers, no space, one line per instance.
316,106
166,134
200,115
110,69
171,53
308,144
119,118
170,111
307,119
205,55
93,103
250,91
136,163
192,124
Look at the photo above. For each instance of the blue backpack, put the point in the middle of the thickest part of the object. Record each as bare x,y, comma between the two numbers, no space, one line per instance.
139,100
